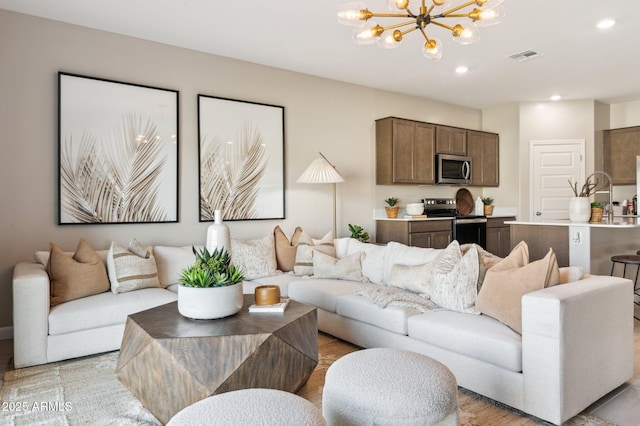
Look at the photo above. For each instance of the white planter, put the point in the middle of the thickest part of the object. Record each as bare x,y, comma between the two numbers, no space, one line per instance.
579,209
211,302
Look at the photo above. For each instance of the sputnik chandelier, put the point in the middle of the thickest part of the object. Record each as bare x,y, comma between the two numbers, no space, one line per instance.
356,14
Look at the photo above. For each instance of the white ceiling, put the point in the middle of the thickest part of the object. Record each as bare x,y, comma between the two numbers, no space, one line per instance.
578,60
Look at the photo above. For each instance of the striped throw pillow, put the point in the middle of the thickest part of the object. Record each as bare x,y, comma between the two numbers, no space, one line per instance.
131,268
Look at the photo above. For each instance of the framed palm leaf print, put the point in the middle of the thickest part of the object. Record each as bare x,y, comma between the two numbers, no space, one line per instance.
117,153
241,156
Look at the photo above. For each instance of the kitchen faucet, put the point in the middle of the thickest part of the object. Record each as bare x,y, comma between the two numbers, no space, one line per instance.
610,212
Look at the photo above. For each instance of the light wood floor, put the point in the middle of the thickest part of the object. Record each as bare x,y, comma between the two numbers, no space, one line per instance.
621,406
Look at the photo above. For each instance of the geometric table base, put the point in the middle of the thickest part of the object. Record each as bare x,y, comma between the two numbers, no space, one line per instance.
169,362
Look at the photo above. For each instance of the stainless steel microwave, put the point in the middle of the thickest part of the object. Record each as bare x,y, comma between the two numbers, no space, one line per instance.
453,169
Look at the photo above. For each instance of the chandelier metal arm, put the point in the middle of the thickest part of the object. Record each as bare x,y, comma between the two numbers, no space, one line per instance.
442,25
457,8
392,15
402,24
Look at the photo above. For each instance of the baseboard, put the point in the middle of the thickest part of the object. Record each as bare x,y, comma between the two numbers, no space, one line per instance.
6,333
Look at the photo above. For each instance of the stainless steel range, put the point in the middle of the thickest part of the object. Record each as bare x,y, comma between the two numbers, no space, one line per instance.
464,228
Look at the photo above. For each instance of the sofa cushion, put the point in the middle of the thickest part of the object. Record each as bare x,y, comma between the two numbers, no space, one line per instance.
397,253
285,248
373,263
322,293
346,268
171,261
304,251
391,318
504,285
104,309
476,336
257,258
455,284
131,268
82,275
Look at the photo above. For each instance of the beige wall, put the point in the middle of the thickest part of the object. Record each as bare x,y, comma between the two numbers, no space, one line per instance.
320,115
625,114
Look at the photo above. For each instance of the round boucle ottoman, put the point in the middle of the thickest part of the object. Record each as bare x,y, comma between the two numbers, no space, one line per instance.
250,407
385,386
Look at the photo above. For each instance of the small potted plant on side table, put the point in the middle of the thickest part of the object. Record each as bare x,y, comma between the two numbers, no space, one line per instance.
391,208
488,206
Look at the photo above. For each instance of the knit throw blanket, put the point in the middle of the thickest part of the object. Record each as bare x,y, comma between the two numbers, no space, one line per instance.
390,296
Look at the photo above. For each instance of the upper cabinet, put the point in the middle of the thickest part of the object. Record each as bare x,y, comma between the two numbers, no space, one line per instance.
404,151
451,140
483,148
621,146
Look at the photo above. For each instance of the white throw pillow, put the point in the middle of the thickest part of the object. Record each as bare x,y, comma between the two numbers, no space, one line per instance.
415,278
454,286
305,249
171,261
373,262
131,269
397,253
257,258
347,268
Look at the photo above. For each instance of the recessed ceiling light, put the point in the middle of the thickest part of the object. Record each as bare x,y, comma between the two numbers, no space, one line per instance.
555,97
606,23
461,69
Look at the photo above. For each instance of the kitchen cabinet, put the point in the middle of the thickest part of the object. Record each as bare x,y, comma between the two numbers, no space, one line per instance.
422,233
404,151
621,146
483,148
451,140
499,236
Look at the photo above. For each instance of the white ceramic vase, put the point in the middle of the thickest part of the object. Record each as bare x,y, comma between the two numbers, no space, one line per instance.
579,209
209,302
218,235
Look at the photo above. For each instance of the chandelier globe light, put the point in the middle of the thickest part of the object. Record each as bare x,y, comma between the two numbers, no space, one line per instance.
463,31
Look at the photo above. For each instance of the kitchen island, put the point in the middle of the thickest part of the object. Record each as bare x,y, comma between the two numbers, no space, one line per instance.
588,245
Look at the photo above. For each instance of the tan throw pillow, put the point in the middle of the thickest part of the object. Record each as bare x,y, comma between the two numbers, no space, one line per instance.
347,268
257,258
285,249
131,269
82,275
501,294
305,249
455,285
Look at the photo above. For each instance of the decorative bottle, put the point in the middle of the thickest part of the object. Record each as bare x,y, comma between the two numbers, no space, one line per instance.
479,207
218,235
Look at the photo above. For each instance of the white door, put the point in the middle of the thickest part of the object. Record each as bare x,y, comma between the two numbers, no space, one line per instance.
553,165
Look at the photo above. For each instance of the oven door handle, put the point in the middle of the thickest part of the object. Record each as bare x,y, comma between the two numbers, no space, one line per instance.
474,220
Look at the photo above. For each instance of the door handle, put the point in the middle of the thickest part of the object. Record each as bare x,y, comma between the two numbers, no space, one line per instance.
538,213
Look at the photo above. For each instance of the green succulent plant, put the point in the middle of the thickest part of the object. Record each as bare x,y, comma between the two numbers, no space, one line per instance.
359,233
487,201
391,201
211,270
596,205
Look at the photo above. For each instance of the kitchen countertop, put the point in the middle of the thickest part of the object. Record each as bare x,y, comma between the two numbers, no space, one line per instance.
380,214
618,222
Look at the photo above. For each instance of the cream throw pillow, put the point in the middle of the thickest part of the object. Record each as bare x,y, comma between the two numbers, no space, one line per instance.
504,285
285,249
455,284
306,247
132,268
82,275
347,268
257,258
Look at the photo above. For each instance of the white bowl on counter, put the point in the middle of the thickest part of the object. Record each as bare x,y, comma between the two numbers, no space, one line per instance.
415,208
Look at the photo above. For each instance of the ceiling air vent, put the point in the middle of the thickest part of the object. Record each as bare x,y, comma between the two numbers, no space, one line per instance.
524,55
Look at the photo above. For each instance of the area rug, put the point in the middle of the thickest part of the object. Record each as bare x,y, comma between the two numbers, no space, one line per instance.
86,392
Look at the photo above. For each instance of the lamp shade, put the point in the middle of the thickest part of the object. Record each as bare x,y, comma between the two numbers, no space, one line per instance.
320,171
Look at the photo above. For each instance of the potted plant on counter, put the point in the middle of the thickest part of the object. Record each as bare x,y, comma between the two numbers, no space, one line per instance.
597,209
391,208
210,288
488,206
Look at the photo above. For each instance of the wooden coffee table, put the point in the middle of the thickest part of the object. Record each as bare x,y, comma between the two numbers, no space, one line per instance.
169,362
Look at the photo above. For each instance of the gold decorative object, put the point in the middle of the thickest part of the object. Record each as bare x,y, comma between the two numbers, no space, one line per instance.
465,31
267,294
596,214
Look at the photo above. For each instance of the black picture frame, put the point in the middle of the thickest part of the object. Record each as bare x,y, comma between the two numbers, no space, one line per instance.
241,159
118,152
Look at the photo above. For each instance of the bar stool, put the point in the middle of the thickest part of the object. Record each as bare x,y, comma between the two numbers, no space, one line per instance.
629,259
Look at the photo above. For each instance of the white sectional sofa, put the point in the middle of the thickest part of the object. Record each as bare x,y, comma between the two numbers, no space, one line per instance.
576,343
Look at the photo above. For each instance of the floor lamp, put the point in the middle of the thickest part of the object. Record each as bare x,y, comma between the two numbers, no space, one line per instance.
322,171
